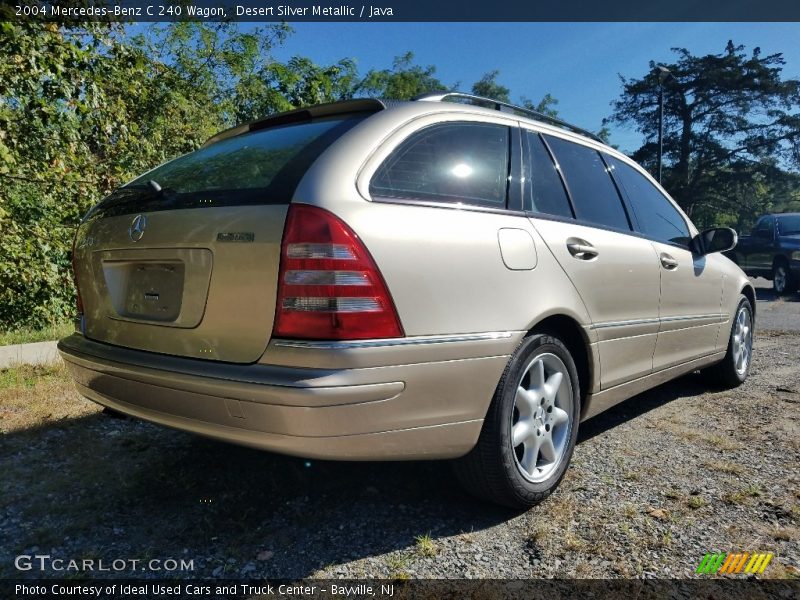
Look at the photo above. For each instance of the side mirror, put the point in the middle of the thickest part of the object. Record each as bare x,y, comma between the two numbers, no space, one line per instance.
718,239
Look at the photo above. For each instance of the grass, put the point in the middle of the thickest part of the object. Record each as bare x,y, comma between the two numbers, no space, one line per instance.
573,542
425,545
397,565
726,467
786,534
27,336
720,442
666,539
695,502
751,491
35,395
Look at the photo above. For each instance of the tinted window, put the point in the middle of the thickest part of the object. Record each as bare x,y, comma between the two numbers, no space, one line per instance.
593,192
656,215
789,224
260,167
544,192
252,160
454,162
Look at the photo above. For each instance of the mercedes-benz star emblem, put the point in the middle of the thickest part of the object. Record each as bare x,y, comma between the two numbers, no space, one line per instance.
138,225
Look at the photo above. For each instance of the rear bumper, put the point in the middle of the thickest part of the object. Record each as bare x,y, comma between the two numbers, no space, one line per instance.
409,410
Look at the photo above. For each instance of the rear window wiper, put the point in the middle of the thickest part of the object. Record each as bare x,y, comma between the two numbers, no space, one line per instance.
154,187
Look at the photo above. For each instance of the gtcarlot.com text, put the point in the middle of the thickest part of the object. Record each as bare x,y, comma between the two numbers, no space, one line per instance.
45,562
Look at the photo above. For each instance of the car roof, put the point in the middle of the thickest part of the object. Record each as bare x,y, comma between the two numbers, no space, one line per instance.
424,104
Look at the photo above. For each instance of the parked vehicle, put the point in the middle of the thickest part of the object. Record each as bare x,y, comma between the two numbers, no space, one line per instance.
430,279
772,251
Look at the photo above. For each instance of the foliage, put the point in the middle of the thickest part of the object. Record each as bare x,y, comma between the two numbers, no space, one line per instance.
402,82
26,335
488,87
546,106
731,131
82,110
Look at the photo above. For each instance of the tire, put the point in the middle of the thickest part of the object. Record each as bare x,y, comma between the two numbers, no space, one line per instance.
493,470
782,280
730,372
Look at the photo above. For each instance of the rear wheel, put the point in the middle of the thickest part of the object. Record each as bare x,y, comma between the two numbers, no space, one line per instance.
734,368
782,280
530,430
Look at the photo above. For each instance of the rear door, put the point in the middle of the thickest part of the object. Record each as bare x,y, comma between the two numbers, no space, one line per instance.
576,208
691,286
184,260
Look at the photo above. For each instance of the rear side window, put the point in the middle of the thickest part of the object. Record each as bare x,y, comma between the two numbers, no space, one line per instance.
452,162
655,214
544,190
260,167
594,194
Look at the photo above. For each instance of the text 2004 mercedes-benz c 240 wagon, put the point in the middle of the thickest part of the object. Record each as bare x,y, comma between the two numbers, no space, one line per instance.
370,280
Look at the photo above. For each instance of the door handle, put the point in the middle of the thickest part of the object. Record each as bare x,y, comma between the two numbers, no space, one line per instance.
581,249
668,262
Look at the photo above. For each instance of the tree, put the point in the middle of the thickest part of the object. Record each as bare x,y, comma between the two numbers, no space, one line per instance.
402,82
488,87
546,105
85,108
728,118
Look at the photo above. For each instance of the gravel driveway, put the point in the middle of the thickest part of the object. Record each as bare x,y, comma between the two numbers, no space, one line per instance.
655,484
778,313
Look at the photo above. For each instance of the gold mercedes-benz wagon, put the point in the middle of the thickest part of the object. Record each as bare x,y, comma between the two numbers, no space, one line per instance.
446,278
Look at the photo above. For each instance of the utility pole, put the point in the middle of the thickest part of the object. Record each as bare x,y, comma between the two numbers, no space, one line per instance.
663,74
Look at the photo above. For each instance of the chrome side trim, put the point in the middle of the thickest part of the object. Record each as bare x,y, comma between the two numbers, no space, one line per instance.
407,341
717,316
622,323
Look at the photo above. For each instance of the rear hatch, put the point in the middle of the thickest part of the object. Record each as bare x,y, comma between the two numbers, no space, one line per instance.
184,260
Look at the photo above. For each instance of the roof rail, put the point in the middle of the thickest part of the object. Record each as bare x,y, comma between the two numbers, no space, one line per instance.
507,107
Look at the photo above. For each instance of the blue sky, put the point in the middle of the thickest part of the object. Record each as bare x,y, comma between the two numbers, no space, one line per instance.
577,63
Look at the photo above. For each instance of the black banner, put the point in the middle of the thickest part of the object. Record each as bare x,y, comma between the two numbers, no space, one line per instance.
62,11
441,589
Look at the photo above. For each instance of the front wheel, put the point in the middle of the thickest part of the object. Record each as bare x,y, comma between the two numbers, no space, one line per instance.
734,368
529,433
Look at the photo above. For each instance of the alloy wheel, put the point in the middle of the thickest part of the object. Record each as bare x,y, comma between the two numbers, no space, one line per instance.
742,340
541,420
779,279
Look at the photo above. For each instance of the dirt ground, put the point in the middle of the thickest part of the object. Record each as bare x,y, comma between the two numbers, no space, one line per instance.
655,484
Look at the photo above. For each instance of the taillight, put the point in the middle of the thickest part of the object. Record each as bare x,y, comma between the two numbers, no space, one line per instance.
78,299
329,287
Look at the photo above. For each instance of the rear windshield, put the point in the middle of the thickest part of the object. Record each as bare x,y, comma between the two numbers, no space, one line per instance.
261,167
